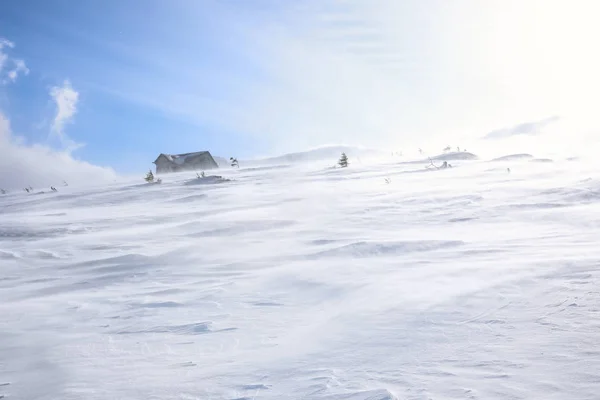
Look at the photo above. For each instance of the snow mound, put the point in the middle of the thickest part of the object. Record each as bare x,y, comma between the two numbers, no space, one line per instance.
452,156
455,156
370,249
198,328
265,168
575,195
514,157
207,180
377,394
542,160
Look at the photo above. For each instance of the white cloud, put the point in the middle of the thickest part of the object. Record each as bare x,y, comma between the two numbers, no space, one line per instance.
3,55
3,58
66,99
37,165
6,43
40,166
18,66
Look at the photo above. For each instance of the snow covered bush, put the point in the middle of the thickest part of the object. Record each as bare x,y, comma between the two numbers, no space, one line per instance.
149,177
343,162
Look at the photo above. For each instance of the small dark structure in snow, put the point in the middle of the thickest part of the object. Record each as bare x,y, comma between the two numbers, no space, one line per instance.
184,162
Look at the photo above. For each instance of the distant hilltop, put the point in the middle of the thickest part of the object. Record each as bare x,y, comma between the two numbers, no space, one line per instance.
329,153
322,153
450,156
514,157
455,156
522,157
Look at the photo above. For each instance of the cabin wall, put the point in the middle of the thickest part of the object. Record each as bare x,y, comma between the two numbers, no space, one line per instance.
164,166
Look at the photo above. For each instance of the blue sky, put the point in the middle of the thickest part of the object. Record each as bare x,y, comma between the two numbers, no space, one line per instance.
249,78
131,71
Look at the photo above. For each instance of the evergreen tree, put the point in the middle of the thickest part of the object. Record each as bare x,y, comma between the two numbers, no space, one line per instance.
149,177
343,162
234,162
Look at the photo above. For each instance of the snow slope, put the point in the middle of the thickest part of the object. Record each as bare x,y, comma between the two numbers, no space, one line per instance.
327,155
322,153
306,283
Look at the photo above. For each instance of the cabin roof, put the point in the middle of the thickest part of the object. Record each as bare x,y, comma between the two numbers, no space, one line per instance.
180,158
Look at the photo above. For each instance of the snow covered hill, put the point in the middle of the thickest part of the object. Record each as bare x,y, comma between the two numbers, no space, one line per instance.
327,154
306,283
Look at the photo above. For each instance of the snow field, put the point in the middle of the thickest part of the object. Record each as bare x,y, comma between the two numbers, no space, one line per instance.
307,283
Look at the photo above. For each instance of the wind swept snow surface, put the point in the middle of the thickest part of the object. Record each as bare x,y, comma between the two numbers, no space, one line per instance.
302,283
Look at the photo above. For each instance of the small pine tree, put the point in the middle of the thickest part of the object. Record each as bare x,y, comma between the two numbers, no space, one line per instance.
149,177
234,162
343,162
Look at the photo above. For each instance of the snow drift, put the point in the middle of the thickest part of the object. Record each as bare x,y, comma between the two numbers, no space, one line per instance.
514,157
455,156
359,283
